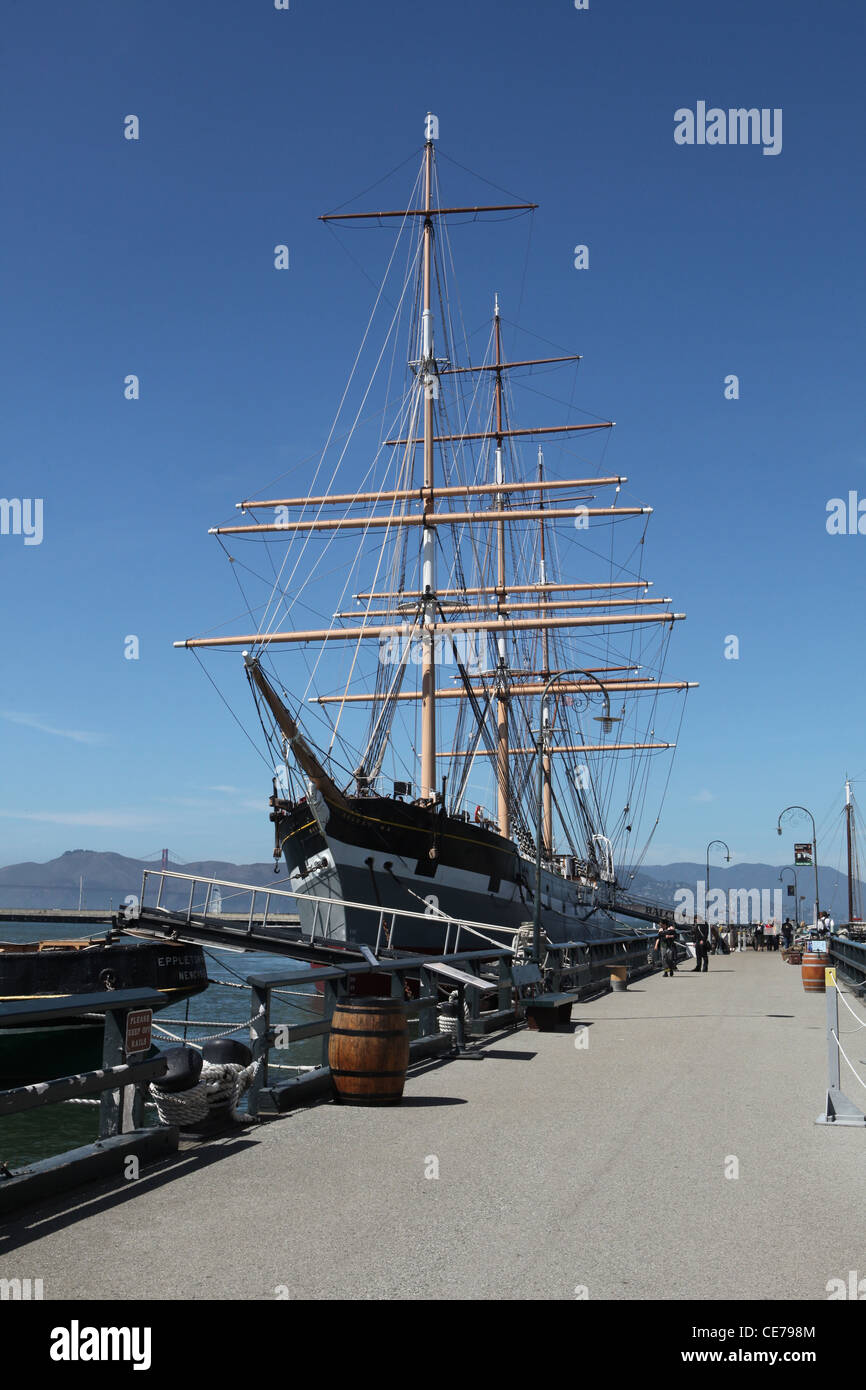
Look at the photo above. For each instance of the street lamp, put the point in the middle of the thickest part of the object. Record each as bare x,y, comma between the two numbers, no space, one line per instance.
727,859
814,845
607,721
707,879
789,870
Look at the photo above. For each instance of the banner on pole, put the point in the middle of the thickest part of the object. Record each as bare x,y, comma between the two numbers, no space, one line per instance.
802,855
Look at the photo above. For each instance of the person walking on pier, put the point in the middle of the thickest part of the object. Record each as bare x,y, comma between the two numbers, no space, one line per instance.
758,936
667,941
702,946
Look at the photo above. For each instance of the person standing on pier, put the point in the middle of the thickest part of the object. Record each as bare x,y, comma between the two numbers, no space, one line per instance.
667,941
758,936
702,946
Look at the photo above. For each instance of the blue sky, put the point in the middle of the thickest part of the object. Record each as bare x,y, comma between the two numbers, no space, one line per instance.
156,257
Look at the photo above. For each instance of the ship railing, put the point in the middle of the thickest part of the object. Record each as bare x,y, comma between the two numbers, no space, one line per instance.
417,980
120,1083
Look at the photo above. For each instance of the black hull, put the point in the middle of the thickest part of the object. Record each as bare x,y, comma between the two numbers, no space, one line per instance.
399,858
176,969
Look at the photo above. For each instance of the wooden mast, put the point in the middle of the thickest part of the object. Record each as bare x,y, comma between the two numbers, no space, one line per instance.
428,542
547,796
502,777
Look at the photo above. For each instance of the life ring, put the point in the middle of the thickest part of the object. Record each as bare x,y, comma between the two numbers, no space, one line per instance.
479,814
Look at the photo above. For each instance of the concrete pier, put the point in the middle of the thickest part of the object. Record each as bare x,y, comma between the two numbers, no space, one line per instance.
562,1167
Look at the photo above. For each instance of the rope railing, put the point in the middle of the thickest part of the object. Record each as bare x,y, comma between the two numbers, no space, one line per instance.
838,1109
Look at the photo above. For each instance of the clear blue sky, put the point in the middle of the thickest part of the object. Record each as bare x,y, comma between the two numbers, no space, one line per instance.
155,257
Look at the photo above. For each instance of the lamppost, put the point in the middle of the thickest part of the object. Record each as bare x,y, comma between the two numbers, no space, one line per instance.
789,870
607,721
707,879
807,812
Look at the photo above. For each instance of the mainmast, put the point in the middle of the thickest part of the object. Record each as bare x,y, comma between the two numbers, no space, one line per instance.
503,813
430,383
547,798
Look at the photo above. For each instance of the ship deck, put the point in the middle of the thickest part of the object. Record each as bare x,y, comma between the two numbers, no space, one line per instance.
559,1167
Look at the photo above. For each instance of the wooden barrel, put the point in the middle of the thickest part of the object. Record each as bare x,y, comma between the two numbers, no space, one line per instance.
368,1051
812,970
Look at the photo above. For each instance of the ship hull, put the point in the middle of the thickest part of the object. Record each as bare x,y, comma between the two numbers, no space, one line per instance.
368,864
30,971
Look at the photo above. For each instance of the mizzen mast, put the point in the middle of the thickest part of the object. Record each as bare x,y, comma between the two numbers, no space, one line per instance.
502,776
547,797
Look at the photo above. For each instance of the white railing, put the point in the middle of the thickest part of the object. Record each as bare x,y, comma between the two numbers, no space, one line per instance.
394,915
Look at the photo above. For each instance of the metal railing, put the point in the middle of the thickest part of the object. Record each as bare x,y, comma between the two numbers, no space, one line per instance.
406,973
119,1082
207,885
850,956
388,918
583,965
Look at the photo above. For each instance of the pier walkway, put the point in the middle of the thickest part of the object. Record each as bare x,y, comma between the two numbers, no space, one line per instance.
560,1168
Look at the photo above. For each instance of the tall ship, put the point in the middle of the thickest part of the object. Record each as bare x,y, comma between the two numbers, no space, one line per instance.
454,653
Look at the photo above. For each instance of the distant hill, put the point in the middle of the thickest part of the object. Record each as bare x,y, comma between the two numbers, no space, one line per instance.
109,878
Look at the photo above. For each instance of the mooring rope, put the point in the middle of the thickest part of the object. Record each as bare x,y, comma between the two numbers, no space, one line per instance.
219,1091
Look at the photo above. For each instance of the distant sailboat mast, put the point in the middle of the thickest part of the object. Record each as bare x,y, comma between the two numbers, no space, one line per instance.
849,816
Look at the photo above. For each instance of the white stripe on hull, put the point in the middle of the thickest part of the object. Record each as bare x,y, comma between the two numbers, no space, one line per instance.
343,872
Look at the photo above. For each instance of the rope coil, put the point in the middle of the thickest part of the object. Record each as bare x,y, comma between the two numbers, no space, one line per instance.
215,1096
